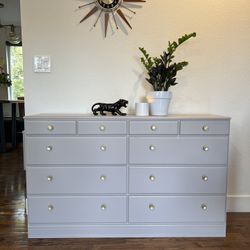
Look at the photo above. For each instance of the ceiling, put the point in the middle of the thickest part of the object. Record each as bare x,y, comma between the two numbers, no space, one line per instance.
10,14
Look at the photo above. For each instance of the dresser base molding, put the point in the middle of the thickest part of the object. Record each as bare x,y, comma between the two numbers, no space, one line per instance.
126,231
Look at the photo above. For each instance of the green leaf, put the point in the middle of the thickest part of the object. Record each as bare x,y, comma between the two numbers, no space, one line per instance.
161,70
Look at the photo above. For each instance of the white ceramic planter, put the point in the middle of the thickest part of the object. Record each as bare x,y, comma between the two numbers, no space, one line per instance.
159,102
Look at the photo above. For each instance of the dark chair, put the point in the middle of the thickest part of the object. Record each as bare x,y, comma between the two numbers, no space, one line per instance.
19,124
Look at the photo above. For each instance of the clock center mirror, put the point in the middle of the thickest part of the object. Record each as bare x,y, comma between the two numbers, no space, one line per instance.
109,4
107,1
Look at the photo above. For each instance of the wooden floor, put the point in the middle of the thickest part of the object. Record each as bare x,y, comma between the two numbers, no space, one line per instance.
13,225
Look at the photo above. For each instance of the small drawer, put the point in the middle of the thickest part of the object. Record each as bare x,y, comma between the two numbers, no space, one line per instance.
177,209
171,180
102,127
76,209
205,127
75,150
76,180
181,150
50,127
154,127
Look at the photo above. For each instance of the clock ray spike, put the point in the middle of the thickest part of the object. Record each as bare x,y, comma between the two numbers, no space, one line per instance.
106,23
82,6
98,18
123,6
120,13
134,1
114,19
93,11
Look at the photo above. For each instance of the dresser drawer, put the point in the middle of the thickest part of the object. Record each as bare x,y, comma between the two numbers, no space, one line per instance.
180,150
75,150
174,209
76,209
73,180
154,127
205,127
177,180
102,127
50,127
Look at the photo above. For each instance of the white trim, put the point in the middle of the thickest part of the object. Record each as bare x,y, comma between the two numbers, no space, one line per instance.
238,203
7,59
126,231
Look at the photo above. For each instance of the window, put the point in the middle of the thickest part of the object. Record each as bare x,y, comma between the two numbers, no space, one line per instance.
15,69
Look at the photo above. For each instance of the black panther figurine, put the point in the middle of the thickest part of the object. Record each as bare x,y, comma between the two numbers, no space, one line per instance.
110,107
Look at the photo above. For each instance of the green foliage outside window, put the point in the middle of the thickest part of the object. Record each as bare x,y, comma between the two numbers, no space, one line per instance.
16,71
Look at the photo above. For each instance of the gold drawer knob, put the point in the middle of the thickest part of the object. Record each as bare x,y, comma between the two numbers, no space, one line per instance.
205,148
151,207
49,148
204,207
153,127
103,148
103,178
50,178
50,127
205,178
103,207
205,128
102,128
50,207
152,148
152,178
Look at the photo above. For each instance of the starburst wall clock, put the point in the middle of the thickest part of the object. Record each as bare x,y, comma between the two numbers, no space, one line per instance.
107,8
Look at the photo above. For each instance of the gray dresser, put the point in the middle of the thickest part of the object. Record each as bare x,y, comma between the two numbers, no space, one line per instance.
126,176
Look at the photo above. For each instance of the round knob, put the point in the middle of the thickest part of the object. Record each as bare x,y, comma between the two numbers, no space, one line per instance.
102,128
103,178
152,148
103,207
49,148
205,148
50,127
205,128
151,207
152,177
153,127
204,206
205,178
50,207
103,148
50,178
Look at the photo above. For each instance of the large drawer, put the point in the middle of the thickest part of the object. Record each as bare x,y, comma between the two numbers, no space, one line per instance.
184,180
76,209
102,127
205,127
154,127
74,180
180,209
50,127
178,150
75,150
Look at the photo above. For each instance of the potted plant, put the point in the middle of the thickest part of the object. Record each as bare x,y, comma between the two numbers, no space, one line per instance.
4,82
162,73
4,78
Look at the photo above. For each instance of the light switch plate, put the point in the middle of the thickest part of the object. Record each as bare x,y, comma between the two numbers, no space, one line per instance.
42,64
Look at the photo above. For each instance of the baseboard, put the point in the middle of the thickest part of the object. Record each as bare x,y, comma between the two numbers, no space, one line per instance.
238,203
126,231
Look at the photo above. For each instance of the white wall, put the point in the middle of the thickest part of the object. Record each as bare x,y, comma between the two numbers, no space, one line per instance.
10,14
87,68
